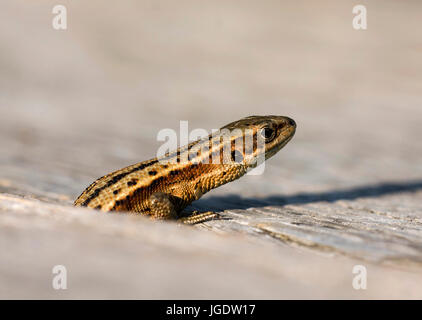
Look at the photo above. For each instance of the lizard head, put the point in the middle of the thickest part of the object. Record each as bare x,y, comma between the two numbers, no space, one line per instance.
268,135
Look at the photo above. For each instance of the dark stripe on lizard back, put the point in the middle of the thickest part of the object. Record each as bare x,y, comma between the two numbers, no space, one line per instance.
189,173
116,179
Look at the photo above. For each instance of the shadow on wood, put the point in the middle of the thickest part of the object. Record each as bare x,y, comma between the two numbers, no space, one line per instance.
233,201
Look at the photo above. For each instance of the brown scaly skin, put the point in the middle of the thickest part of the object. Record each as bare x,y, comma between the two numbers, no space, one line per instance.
162,189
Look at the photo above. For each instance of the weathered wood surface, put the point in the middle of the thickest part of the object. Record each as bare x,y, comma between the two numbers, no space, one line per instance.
80,103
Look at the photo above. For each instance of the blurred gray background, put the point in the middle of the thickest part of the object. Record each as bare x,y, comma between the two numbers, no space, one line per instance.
76,104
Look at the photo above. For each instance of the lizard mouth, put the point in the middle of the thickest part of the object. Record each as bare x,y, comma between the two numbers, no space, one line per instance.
285,136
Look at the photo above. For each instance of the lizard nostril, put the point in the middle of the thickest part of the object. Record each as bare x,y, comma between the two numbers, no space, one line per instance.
292,122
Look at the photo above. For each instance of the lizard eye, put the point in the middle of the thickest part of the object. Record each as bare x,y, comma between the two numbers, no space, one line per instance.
268,134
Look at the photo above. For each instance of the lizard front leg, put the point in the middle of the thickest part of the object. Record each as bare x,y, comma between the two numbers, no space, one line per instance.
197,217
163,207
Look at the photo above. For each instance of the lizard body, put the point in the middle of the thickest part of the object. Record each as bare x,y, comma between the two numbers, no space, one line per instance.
163,187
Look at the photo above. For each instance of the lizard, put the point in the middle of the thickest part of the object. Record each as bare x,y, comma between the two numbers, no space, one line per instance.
163,187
